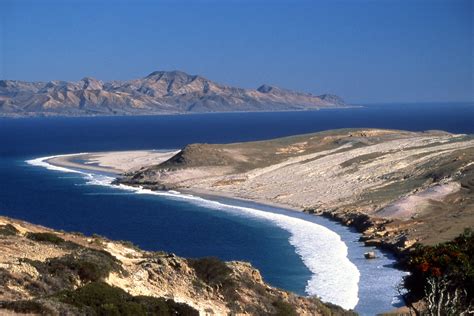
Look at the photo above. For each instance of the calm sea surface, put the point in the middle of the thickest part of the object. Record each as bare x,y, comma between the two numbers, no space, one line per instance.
71,202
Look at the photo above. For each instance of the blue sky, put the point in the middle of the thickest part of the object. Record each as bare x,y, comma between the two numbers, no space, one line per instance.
365,51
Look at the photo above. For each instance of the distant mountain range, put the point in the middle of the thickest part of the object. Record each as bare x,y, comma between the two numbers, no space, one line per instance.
160,92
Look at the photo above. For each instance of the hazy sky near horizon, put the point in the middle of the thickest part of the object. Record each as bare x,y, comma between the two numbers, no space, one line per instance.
364,51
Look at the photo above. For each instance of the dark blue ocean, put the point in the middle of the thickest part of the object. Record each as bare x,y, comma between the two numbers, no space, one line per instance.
70,202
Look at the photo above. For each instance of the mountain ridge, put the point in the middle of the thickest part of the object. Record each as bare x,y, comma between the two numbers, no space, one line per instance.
160,92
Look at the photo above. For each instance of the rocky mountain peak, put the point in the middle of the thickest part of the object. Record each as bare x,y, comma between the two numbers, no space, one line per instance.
332,98
265,88
90,83
169,75
6,83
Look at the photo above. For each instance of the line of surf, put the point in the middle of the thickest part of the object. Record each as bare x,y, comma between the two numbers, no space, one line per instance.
334,277
43,162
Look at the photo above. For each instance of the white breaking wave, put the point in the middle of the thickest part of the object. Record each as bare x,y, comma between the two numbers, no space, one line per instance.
334,277
42,162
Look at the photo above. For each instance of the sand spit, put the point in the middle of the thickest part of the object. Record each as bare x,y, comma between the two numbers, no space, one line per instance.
409,186
115,162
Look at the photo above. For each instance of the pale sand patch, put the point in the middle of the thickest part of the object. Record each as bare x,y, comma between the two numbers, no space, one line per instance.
116,162
415,204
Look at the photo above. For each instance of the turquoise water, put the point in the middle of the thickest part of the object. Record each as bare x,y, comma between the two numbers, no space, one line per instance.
192,228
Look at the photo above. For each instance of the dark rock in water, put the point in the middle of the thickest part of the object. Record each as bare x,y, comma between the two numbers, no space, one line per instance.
370,255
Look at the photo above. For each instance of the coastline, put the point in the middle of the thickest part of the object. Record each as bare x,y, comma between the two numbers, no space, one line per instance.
64,115
232,201
391,185
116,163
389,234
67,161
219,194
342,272
361,222
77,179
63,161
111,162
26,247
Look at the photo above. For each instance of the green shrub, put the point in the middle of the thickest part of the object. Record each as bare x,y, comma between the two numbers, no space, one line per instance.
89,265
99,298
97,236
160,306
25,307
45,237
284,309
5,275
53,239
329,309
453,261
129,244
211,270
8,230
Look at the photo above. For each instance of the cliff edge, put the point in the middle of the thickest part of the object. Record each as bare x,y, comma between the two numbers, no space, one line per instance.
48,272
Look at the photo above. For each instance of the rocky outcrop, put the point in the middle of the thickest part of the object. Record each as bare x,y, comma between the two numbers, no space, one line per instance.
158,93
389,234
370,255
43,271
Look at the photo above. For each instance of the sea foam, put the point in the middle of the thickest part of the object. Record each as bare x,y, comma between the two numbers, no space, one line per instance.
334,277
43,162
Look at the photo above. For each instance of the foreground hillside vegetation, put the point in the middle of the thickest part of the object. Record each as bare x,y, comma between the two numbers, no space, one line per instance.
56,273
442,277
